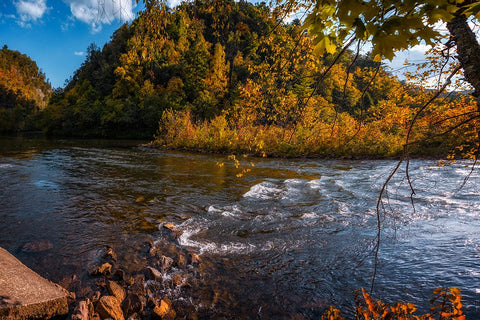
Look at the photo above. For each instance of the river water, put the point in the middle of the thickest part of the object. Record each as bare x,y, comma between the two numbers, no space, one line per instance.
287,238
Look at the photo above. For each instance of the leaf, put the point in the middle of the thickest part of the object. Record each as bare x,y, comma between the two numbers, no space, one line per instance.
348,11
474,10
437,290
360,30
455,291
439,15
325,45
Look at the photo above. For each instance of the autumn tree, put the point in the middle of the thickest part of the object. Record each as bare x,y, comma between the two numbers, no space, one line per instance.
390,26
24,91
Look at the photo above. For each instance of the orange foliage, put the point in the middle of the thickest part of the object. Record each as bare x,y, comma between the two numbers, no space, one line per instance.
446,305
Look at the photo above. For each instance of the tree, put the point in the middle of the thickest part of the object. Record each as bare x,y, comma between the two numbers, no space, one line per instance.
24,91
390,26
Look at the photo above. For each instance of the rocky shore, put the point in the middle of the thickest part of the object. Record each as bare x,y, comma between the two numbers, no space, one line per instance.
115,291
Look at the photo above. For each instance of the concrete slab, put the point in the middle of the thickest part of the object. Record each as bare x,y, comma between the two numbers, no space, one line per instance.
26,295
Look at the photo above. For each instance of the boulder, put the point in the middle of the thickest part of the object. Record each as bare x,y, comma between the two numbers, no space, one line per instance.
169,226
81,311
132,304
174,232
109,307
195,259
164,310
116,290
96,296
138,286
166,263
177,280
182,260
110,254
154,274
103,270
26,295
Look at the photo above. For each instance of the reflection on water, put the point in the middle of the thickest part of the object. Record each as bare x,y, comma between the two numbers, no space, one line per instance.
292,236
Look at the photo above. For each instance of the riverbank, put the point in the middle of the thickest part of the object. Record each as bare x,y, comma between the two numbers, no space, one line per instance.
113,290
118,292
344,138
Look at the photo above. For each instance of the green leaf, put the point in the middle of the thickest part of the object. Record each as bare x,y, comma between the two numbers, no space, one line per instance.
325,45
439,15
360,30
474,10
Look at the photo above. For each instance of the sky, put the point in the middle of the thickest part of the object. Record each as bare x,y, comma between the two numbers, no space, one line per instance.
56,33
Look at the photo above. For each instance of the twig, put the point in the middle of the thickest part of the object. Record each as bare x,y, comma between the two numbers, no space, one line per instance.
379,223
402,159
465,180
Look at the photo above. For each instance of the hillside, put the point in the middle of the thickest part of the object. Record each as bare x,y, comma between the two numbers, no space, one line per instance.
24,91
226,76
199,57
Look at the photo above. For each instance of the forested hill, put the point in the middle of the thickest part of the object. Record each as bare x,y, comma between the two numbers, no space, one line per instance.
24,91
228,76
204,57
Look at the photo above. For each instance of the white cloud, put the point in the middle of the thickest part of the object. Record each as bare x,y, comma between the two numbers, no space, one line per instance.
421,48
98,12
79,53
174,3
30,10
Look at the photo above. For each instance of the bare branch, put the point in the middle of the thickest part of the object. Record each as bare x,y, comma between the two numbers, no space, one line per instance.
445,85
454,117
380,207
465,180
379,222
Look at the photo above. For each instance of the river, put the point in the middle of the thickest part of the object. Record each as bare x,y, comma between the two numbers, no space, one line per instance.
287,238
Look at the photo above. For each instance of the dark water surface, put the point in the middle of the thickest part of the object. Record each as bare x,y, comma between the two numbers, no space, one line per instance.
289,237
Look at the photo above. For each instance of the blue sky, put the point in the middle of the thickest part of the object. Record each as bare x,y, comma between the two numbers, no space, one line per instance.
56,33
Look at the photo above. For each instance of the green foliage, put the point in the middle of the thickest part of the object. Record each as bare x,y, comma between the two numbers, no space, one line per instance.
388,25
24,91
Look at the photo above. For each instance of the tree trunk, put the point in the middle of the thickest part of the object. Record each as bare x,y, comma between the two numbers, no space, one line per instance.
468,50
468,54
